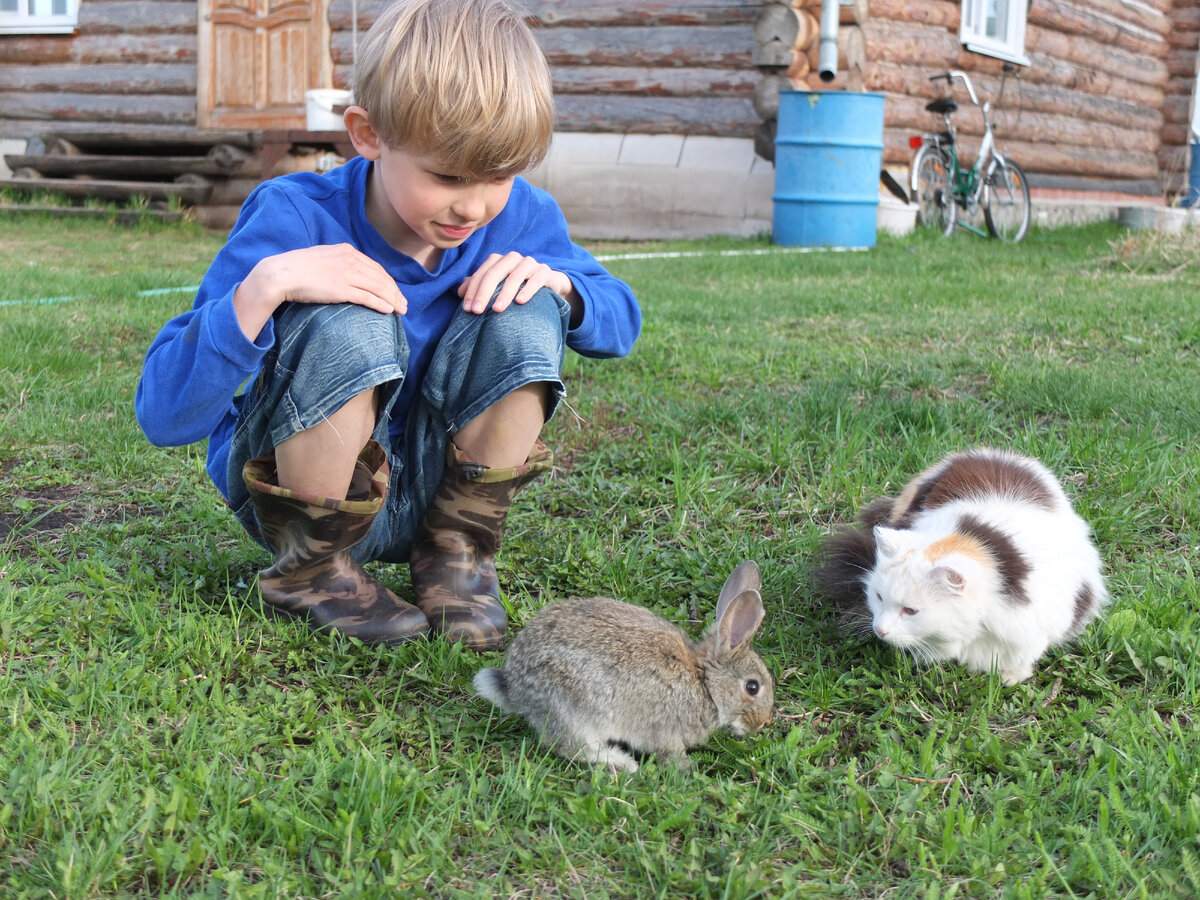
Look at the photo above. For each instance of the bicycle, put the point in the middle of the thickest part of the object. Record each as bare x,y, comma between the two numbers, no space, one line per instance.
941,186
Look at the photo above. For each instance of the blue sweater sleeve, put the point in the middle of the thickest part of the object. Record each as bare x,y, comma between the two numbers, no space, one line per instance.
201,358
612,319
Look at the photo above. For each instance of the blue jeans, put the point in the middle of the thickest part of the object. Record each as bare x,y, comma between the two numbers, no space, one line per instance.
326,354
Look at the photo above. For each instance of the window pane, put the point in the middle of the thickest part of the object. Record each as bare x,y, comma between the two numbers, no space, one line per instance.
47,7
8,6
997,19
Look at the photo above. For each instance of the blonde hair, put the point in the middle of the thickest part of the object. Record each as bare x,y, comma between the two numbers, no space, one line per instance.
461,80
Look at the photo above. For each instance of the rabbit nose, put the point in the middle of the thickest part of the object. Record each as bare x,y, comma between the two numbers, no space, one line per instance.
881,631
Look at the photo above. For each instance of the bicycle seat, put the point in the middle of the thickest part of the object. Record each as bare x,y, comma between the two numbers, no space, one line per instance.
942,106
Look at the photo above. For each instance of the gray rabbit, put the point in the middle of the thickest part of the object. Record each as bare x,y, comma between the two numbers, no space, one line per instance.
602,679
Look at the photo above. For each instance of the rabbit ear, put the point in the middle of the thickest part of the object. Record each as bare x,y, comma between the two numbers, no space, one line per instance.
738,621
744,578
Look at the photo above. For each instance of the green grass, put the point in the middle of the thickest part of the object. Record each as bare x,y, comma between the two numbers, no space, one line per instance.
160,737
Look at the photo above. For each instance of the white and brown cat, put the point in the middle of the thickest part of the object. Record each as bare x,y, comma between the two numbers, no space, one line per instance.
981,560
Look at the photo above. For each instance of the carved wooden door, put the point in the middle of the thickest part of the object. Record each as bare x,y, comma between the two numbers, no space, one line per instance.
256,58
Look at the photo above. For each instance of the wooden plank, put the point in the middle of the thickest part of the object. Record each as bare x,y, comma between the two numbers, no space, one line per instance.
104,78
111,190
87,49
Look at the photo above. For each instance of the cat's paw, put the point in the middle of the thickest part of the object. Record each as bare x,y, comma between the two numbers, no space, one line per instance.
1015,675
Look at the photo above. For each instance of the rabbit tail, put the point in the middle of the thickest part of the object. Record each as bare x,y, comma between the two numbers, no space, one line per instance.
492,684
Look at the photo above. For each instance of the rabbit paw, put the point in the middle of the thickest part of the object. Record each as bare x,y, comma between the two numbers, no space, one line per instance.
606,754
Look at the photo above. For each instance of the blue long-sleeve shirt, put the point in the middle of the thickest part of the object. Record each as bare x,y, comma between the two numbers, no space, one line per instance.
200,360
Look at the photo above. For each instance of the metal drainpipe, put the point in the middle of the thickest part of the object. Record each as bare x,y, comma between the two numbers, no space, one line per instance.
827,58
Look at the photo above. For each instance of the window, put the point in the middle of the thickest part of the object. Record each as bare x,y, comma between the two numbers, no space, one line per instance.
38,16
995,27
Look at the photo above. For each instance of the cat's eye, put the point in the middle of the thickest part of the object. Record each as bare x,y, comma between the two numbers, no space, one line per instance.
752,688
907,611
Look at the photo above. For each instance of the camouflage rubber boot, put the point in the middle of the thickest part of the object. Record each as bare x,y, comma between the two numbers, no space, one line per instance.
453,560
314,577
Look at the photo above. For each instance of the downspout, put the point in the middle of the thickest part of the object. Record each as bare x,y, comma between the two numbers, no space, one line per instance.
827,57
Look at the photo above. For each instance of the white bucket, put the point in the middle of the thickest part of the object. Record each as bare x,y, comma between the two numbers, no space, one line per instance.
323,109
895,216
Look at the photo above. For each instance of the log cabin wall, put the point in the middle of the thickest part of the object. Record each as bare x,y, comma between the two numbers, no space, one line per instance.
1102,106
1174,155
131,63
627,66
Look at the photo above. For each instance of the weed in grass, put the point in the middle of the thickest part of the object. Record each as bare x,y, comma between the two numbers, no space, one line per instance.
161,737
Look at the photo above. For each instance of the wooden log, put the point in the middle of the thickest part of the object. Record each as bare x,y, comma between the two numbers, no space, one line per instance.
1182,62
103,138
136,78
852,12
128,108
59,165
1066,18
1090,53
110,190
1100,18
798,72
1100,105
772,55
903,42
566,13
709,116
766,95
942,13
793,27
852,50
90,49
657,81
136,16
727,47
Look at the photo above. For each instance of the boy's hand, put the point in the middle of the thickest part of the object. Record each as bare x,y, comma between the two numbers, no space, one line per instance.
521,276
328,273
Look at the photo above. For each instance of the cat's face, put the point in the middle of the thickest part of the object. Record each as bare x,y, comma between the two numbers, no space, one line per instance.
916,601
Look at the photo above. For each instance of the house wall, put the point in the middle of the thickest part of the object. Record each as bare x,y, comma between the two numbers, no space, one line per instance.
132,63
1104,105
1097,108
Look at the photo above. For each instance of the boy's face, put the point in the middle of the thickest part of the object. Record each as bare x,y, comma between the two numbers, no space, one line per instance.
422,209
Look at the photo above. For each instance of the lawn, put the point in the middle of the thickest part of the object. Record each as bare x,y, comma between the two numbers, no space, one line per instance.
161,737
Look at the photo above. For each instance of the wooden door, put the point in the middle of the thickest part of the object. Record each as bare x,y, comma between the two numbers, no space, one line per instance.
255,60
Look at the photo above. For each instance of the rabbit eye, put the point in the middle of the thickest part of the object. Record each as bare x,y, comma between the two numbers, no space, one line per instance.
908,611
752,687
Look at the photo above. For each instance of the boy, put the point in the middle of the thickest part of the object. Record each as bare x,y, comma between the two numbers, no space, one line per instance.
399,325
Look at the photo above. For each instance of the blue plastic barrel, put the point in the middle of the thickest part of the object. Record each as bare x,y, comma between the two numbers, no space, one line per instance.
828,155
1193,194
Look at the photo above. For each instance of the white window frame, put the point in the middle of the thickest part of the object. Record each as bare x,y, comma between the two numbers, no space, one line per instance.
1010,45
24,22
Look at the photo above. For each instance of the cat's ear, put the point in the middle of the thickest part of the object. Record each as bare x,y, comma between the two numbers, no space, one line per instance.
949,578
887,541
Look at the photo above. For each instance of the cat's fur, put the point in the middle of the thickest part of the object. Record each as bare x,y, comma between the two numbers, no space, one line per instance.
981,559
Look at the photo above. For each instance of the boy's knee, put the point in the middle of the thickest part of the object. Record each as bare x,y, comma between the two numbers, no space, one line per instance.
541,322
355,337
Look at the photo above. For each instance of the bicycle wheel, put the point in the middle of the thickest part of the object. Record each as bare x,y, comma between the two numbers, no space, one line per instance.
1006,204
935,200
